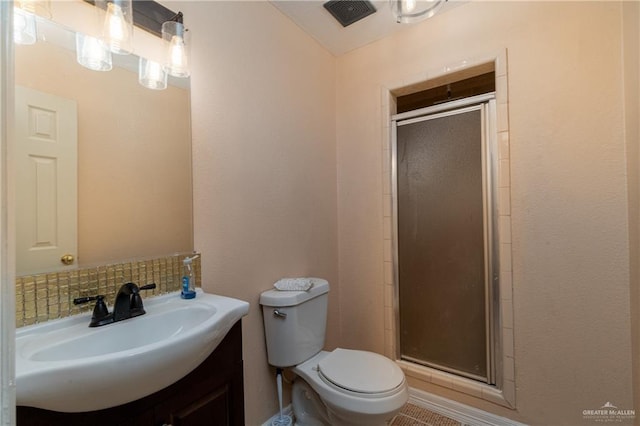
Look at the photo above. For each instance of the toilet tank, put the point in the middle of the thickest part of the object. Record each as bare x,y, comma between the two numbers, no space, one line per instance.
295,323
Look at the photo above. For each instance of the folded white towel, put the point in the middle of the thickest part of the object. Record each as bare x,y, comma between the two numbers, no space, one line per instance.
294,284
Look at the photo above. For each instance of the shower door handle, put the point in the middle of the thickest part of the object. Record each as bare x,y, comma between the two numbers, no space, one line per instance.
278,314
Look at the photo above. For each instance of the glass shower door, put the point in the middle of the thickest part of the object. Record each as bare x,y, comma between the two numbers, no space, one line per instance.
442,227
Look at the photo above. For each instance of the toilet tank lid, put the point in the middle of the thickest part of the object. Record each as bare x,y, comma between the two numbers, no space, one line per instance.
291,298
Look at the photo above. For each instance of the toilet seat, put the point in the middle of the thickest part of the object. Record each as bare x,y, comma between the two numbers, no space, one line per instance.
373,408
360,372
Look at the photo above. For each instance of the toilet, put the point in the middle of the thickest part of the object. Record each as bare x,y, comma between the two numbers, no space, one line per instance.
342,387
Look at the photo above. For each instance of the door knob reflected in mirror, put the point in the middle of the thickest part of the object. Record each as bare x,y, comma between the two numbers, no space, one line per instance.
67,259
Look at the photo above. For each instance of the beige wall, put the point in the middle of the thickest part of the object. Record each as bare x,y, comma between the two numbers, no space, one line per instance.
571,283
263,97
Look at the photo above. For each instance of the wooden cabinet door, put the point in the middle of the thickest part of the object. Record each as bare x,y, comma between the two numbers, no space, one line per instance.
211,409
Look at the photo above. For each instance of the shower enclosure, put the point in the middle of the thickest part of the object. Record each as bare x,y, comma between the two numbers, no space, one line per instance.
445,234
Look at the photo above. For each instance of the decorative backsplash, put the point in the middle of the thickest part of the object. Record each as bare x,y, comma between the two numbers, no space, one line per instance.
48,296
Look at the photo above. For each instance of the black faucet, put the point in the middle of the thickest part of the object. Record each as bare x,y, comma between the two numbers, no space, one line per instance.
128,304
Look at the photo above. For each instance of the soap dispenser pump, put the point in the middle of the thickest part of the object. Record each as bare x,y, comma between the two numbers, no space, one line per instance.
188,279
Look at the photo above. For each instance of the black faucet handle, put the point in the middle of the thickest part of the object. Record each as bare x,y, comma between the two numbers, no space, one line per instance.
136,300
148,286
100,311
83,300
100,314
133,288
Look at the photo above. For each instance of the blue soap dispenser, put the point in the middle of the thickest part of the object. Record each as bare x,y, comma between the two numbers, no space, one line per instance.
188,279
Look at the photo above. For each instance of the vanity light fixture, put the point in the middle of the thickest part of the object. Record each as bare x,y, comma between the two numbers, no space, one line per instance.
176,39
151,74
116,18
24,19
92,54
411,11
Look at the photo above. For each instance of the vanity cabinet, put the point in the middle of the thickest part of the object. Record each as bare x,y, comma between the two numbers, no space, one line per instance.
212,394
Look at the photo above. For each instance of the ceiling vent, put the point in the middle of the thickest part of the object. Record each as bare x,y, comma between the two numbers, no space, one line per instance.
349,11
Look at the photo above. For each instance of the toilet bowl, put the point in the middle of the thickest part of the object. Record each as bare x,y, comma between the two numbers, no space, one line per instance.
343,387
348,387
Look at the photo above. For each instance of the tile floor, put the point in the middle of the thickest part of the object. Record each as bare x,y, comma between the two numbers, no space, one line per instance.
412,415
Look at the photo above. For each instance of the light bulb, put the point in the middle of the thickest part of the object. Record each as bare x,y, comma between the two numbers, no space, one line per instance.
116,30
408,5
178,61
151,75
176,39
155,70
115,22
90,53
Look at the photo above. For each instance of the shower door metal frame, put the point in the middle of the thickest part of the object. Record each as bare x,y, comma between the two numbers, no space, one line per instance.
486,103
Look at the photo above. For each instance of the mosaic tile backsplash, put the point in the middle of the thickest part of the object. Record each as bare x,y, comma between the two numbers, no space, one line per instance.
48,296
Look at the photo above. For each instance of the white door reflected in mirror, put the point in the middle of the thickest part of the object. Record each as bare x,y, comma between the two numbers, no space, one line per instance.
47,178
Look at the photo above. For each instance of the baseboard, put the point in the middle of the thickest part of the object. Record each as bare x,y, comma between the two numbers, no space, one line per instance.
285,410
454,410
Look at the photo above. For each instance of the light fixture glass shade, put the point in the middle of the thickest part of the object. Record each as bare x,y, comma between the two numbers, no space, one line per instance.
176,39
151,74
24,26
92,54
24,19
116,18
410,11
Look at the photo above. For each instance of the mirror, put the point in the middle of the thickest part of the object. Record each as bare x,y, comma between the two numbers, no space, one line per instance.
134,191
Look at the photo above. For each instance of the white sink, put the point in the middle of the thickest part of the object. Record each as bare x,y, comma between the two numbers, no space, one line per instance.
64,365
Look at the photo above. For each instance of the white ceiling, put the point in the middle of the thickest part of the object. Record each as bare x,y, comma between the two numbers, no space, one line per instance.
315,20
